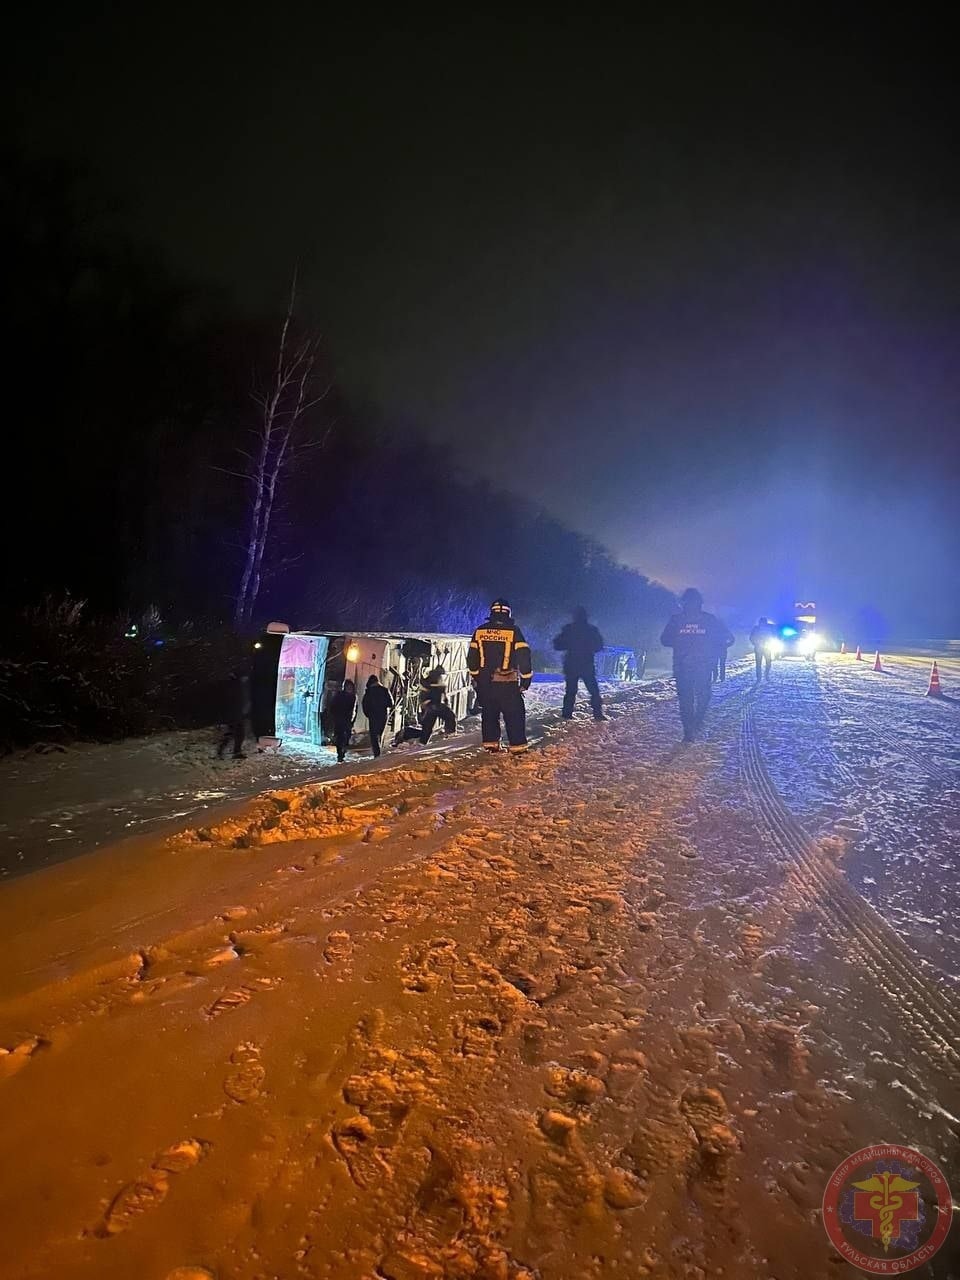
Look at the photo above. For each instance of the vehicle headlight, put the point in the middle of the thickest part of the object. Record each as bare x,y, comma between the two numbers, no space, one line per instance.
808,643
773,646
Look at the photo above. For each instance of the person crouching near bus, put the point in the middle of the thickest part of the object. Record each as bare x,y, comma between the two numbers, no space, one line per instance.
499,661
433,704
377,705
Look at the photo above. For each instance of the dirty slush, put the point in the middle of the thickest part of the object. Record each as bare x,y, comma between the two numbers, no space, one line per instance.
608,1009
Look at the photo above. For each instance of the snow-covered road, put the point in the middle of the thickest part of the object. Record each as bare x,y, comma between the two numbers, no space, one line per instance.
67,801
617,1007
865,757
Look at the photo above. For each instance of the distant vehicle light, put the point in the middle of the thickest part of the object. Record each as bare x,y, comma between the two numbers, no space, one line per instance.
257,644
808,643
773,646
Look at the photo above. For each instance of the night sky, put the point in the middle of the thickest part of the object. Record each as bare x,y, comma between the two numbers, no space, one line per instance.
690,283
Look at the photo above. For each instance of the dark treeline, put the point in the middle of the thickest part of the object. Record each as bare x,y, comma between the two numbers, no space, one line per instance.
129,412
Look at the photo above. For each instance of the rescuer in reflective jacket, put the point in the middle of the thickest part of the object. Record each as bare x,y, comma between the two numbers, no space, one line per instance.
499,662
694,637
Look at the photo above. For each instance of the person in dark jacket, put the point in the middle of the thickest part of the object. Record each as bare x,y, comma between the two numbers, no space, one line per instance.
343,712
236,714
433,704
719,672
377,705
580,643
761,637
694,637
433,707
499,661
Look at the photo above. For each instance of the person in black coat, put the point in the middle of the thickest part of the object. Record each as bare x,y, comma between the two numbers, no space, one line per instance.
719,672
377,705
695,637
343,712
761,638
433,707
580,642
433,704
236,714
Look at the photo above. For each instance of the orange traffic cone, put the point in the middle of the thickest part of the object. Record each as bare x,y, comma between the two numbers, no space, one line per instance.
843,646
877,666
935,691
859,654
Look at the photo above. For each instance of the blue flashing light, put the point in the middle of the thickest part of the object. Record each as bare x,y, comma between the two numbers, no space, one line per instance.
158,644
788,631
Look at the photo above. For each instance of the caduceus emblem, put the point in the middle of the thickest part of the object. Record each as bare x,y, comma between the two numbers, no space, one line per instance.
886,1200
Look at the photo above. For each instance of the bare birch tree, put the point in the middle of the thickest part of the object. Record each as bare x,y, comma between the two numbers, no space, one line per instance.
286,428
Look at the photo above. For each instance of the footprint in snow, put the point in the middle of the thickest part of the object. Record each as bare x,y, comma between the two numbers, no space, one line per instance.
14,1060
240,996
149,1191
246,1074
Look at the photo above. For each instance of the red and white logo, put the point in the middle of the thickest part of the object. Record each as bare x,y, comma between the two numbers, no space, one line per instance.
887,1209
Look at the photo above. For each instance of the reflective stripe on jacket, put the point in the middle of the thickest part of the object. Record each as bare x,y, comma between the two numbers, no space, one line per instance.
499,651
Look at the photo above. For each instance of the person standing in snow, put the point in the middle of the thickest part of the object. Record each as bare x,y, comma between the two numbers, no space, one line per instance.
695,637
761,638
377,705
237,706
580,642
343,712
500,664
719,672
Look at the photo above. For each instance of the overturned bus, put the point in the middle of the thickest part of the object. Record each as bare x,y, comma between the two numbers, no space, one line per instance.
616,663
295,674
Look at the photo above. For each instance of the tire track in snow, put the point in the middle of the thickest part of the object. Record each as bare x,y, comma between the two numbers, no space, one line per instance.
933,771
888,739
844,772
896,744
932,1015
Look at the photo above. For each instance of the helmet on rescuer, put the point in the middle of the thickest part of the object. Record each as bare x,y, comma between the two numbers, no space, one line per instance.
502,607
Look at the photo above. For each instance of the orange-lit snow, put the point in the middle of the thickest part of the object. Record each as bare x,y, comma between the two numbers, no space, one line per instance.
613,1008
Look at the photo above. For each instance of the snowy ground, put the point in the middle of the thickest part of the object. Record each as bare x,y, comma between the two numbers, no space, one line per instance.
614,1008
64,803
